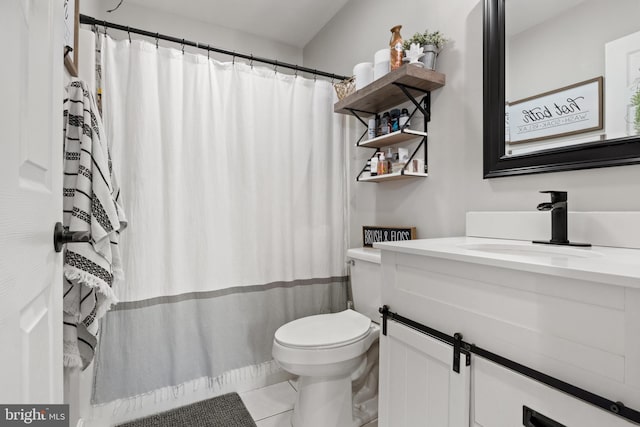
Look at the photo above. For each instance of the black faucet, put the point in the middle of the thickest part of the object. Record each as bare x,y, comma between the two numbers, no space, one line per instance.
558,208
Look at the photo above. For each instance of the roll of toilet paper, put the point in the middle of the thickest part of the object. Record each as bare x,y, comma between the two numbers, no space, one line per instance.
380,69
363,73
381,56
381,63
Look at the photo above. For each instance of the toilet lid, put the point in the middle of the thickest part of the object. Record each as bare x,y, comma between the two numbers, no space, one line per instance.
324,330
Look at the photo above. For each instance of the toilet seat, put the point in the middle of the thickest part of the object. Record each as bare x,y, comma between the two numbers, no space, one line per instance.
324,331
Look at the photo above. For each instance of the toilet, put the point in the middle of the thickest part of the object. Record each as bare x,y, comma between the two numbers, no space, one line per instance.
336,355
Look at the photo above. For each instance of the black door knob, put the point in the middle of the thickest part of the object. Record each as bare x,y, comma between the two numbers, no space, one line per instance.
62,236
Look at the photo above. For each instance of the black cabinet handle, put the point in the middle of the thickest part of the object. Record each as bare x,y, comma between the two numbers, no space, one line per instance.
531,418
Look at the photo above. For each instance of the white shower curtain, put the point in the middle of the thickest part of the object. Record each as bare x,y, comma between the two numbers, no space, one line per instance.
233,178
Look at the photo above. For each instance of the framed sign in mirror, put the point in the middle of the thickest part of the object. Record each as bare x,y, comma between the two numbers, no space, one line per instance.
71,23
515,70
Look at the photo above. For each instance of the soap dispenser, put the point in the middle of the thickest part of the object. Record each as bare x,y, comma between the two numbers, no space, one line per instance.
382,164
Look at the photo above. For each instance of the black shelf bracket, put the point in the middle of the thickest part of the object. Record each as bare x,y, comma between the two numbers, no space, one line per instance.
425,110
357,116
366,125
364,168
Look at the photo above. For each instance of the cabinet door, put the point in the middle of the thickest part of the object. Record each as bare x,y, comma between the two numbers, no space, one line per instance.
418,386
501,397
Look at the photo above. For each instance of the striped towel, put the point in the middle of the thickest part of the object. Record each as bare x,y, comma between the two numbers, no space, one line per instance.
91,204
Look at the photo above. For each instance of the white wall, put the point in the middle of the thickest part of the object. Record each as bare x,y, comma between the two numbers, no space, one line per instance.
198,31
437,204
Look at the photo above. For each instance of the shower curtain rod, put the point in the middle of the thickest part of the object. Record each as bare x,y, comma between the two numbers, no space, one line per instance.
88,20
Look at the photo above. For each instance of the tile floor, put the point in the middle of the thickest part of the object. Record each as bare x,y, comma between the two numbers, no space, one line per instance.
272,406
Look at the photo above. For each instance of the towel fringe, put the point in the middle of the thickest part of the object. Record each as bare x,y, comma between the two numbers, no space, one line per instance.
73,273
71,358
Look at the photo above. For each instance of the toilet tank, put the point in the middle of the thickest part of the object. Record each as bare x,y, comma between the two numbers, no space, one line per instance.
366,281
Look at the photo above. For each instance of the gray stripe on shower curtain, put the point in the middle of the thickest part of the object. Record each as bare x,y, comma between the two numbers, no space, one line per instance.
221,292
151,344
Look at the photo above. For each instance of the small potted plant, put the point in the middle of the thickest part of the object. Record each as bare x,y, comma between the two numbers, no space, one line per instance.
432,43
417,38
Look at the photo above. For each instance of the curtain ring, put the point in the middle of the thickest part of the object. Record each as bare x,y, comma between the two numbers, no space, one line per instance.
183,46
315,75
104,24
208,52
157,38
251,61
233,58
296,75
129,34
275,67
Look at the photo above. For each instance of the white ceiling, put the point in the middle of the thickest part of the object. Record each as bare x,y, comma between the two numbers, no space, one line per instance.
294,22
524,14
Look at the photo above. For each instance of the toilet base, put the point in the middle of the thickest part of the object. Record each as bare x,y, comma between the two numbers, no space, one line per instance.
323,402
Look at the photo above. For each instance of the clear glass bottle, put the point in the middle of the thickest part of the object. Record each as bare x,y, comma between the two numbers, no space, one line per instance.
396,49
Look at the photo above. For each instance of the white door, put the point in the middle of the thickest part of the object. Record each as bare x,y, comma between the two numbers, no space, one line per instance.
418,387
31,86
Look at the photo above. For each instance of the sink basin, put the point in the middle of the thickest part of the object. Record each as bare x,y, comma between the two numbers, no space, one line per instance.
531,250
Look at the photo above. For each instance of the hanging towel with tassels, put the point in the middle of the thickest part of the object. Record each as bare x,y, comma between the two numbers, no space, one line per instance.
91,204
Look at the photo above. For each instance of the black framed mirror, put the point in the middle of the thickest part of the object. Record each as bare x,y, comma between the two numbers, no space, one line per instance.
499,161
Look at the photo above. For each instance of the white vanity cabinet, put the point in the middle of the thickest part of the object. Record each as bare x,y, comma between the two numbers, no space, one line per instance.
569,315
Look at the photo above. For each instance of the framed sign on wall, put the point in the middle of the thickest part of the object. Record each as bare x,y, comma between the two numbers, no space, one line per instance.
71,23
562,112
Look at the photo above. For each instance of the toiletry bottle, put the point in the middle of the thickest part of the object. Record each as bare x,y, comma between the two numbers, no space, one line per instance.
372,129
395,46
395,116
403,122
384,124
382,164
374,165
391,159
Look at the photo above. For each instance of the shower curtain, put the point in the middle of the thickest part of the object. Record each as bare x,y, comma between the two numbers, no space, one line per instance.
233,178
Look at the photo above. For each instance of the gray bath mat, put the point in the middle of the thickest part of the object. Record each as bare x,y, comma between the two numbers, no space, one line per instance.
222,411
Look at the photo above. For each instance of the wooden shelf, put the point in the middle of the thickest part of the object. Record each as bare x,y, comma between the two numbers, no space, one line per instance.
396,176
382,94
396,137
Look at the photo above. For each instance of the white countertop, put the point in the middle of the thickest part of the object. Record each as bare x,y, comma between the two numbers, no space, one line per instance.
617,266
